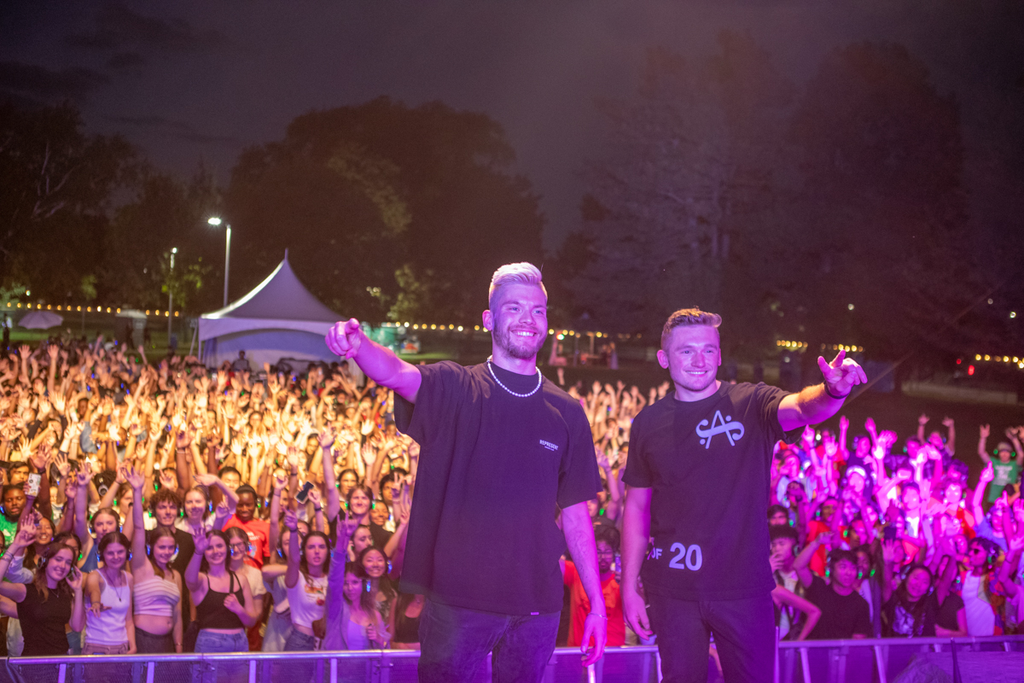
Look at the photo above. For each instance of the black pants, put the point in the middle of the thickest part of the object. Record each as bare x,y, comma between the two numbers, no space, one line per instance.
744,636
454,642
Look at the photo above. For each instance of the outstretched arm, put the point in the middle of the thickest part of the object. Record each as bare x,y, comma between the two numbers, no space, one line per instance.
818,403
987,475
347,339
983,432
139,560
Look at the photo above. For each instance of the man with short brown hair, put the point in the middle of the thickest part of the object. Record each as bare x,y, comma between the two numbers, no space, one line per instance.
697,480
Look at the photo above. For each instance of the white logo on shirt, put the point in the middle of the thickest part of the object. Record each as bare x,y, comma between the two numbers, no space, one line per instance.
719,426
548,445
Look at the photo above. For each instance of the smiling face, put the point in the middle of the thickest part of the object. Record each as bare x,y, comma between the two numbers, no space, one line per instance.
518,320
692,356
246,508
374,564
379,514
163,550
231,479
166,513
195,505
358,503
59,565
217,551
115,556
44,534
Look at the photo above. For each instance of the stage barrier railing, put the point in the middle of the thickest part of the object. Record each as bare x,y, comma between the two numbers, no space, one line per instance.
821,661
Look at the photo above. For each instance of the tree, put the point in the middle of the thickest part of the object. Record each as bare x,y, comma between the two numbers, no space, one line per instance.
164,213
388,211
879,221
56,186
689,161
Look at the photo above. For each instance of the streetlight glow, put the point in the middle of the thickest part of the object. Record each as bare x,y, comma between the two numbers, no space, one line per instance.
216,221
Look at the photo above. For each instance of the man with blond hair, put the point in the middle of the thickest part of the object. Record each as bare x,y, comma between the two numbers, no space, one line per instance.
697,485
501,446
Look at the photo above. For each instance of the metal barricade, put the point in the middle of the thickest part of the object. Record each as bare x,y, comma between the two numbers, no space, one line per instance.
873,659
822,661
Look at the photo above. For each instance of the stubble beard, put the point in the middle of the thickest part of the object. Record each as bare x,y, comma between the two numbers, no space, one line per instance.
513,347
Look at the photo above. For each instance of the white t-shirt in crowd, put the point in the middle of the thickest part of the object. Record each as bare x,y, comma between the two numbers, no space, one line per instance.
981,620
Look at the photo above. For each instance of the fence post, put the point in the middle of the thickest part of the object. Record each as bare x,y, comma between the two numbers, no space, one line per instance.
334,670
776,654
252,671
62,673
150,669
880,663
805,665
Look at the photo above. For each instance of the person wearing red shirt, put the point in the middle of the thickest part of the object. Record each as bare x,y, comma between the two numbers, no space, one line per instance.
579,605
257,530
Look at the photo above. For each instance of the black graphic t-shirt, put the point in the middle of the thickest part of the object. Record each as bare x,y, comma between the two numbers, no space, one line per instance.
708,466
494,469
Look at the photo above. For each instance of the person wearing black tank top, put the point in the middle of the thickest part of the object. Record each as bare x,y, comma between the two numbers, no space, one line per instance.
224,606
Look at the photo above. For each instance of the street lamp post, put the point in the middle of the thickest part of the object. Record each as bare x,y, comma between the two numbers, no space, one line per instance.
170,296
227,252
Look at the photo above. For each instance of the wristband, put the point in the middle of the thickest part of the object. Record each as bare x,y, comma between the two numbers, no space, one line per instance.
833,396
599,616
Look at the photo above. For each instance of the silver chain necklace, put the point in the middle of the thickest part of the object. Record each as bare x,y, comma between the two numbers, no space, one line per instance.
540,381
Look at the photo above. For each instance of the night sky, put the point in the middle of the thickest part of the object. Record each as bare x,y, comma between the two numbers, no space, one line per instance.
198,81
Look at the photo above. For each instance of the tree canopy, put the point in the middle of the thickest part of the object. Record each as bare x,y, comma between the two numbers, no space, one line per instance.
389,212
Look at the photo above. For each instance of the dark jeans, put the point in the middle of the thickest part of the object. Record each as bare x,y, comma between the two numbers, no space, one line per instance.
744,636
454,643
300,670
221,672
147,643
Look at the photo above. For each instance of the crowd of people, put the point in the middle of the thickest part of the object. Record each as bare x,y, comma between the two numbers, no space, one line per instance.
164,507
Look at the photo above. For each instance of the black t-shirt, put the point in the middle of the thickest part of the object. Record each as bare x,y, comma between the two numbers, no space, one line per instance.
918,620
842,616
493,470
708,465
43,623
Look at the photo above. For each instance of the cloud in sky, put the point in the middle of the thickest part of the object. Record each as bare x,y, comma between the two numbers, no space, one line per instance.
118,27
38,82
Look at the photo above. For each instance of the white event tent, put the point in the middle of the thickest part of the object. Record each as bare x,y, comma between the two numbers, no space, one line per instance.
279,319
